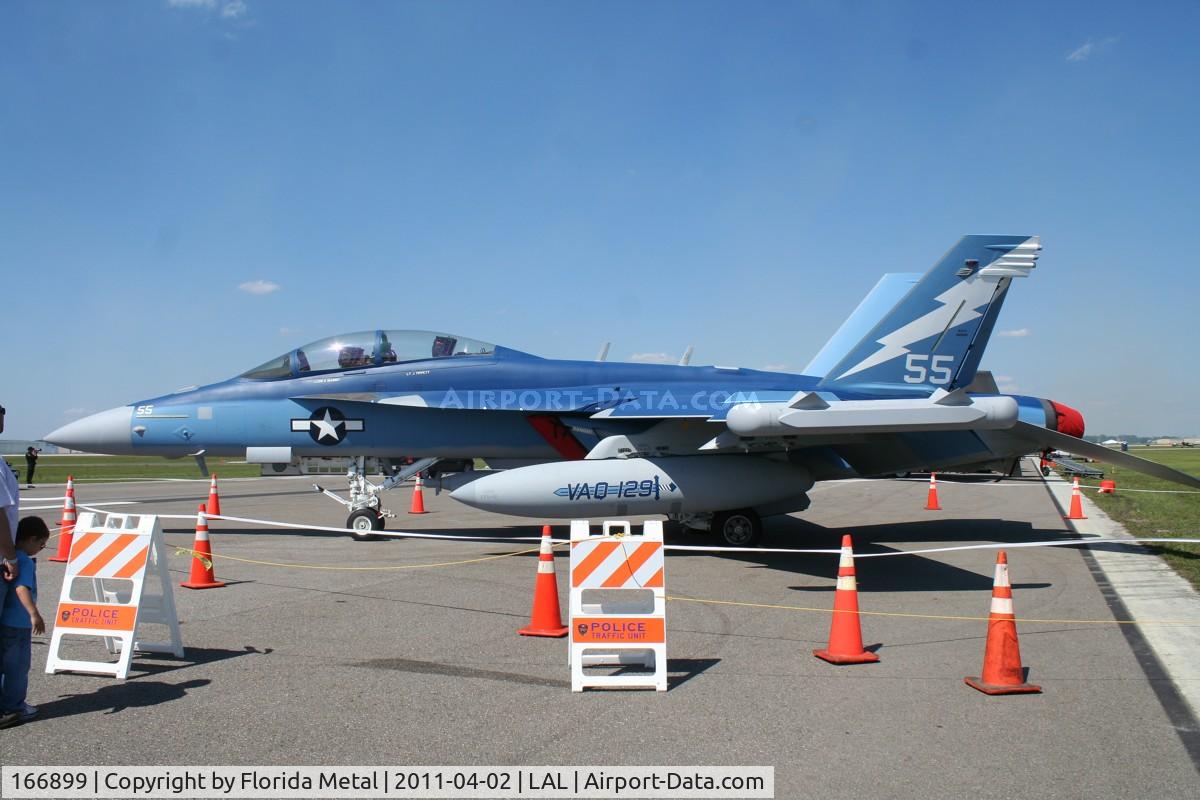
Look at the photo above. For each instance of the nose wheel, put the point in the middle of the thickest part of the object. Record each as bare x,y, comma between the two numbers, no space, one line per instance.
363,523
366,511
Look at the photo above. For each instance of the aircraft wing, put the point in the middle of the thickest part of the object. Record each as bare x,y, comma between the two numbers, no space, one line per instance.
1044,438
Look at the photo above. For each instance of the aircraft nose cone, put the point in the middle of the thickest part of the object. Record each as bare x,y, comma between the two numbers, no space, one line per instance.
465,494
108,431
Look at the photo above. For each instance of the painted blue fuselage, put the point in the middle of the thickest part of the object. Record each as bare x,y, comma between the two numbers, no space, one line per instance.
438,407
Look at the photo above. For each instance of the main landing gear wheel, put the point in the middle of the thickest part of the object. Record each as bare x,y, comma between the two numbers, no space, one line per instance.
741,528
363,523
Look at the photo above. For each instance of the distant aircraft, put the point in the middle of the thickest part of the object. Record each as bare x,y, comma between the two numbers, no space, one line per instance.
894,391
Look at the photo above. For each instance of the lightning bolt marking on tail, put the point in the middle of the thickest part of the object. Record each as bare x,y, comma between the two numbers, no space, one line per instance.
970,294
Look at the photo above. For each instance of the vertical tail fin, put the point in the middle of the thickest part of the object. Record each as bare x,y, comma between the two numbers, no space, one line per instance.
890,289
934,337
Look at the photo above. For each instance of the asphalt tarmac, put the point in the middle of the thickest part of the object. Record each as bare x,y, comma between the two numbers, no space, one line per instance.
325,651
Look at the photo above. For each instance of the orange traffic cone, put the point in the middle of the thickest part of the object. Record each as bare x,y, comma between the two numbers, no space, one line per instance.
1076,511
845,635
1108,486
67,524
1002,672
214,501
546,619
931,503
418,501
202,576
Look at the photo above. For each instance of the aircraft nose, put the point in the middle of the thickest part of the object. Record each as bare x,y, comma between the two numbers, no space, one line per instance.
108,431
465,494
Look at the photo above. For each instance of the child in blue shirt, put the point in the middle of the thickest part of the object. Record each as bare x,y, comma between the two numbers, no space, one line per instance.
19,619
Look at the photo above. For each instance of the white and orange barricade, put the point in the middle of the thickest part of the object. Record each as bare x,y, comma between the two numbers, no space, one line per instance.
618,605
105,593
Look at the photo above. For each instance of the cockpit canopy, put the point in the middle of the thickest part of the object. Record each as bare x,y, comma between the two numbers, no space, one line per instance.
367,349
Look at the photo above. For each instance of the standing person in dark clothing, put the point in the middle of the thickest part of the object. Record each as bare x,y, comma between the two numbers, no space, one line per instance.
31,457
10,501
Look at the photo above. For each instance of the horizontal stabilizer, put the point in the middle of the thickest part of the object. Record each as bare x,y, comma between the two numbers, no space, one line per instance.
1044,437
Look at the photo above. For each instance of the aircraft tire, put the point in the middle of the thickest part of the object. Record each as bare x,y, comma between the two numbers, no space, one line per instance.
739,528
362,522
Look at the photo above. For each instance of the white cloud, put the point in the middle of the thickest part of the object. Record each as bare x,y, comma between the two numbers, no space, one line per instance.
652,358
232,14
1019,333
1081,53
259,287
286,331
1008,388
776,367
1089,48
1003,378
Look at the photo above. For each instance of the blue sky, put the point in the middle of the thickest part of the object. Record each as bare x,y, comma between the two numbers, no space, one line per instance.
188,188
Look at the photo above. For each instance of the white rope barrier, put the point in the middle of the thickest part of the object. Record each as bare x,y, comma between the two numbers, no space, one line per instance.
692,548
1151,491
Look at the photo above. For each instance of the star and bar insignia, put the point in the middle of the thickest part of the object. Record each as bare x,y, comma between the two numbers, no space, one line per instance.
328,426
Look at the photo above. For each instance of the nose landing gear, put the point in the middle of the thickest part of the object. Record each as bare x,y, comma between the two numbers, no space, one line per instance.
367,513
363,523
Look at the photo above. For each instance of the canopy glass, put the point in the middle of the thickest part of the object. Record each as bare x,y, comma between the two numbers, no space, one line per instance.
366,349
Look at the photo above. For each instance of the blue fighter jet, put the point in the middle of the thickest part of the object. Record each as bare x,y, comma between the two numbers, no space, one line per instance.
897,389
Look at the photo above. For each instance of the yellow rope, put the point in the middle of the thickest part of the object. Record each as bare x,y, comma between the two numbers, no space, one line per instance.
1179,623
195,554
